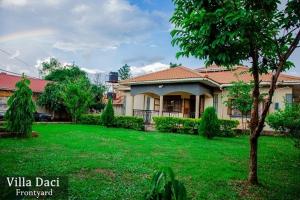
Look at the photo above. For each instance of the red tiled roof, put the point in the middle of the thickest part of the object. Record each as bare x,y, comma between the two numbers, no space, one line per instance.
167,74
241,73
8,82
214,73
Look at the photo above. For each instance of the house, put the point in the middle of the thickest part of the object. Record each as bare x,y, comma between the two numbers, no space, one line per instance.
8,86
185,92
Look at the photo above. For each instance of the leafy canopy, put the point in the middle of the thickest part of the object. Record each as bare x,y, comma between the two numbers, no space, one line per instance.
287,121
20,111
77,97
51,98
229,32
124,72
71,72
239,97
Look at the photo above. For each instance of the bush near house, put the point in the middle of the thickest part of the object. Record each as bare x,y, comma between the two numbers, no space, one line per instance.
227,127
92,119
190,126
108,116
136,123
176,124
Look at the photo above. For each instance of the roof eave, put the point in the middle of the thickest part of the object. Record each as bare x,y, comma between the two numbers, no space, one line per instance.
186,80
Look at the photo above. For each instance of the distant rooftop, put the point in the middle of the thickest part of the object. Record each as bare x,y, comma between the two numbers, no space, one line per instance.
8,82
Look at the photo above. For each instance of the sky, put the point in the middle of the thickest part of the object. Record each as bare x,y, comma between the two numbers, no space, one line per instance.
97,35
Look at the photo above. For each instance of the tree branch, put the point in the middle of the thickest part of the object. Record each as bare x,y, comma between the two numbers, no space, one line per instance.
275,76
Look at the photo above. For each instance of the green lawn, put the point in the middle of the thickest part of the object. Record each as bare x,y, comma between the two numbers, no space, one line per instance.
109,163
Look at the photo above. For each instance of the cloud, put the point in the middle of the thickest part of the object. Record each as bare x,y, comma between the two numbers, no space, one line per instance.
15,55
8,3
148,68
91,71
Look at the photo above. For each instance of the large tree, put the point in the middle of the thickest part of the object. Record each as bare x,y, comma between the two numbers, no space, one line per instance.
264,32
49,66
20,111
77,97
124,72
51,98
71,72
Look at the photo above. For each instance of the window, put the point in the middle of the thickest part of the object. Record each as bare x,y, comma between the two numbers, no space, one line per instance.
3,103
276,105
215,102
172,103
289,98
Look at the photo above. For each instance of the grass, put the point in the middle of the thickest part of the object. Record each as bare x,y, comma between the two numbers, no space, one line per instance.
109,163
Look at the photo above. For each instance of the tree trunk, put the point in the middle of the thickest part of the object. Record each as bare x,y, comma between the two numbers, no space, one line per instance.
252,178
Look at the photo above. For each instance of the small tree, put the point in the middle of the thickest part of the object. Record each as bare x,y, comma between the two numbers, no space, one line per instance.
209,124
124,72
287,121
107,117
77,97
239,98
227,33
20,111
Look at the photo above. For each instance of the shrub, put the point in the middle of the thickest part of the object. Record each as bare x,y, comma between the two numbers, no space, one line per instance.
107,116
92,119
287,121
165,186
227,127
209,126
136,123
176,125
20,111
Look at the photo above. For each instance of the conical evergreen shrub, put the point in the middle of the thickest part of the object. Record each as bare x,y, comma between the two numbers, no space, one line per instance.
107,116
209,123
21,108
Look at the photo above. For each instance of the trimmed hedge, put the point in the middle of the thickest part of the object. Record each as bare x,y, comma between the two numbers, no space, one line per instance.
176,125
190,126
227,127
136,123
92,119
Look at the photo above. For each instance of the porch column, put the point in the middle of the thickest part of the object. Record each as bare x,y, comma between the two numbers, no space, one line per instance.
197,106
161,104
132,112
129,105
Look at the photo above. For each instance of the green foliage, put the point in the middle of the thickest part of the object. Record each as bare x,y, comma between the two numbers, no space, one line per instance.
287,121
48,67
209,125
227,127
136,123
107,116
164,186
51,98
176,124
20,111
239,97
77,97
66,73
91,119
229,32
173,65
98,94
124,72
